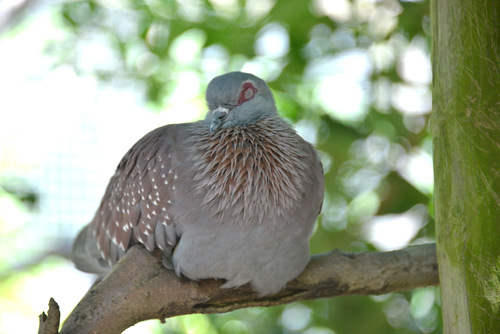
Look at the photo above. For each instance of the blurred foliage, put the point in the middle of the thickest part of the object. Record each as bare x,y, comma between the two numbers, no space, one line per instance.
158,46
17,201
20,192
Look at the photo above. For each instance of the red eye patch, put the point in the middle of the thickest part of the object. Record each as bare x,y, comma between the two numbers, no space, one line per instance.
247,93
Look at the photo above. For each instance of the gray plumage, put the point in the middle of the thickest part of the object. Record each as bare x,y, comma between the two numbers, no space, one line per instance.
234,196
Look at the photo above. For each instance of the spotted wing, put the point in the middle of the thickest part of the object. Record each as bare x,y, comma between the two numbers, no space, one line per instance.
136,206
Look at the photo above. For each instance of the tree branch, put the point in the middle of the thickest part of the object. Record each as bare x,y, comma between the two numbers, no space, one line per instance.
139,288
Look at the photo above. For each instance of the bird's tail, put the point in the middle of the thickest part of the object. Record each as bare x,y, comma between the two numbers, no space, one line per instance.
86,255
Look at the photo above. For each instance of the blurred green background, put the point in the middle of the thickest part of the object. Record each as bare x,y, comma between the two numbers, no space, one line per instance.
81,81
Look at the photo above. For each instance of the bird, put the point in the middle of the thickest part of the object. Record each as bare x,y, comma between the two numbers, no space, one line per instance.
234,196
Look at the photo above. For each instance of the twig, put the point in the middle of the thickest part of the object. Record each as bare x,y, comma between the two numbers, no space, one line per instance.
49,323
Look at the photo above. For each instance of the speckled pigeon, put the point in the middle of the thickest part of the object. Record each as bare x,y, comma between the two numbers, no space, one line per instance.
234,196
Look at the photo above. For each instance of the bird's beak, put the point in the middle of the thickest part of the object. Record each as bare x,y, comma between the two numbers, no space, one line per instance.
219,115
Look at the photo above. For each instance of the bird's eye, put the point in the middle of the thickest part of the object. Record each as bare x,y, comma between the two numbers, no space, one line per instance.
247,92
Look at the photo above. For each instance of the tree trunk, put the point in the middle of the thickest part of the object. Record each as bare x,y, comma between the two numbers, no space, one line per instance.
466,131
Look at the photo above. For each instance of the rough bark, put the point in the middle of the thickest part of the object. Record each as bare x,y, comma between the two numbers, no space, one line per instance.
139,288
466,136
49,323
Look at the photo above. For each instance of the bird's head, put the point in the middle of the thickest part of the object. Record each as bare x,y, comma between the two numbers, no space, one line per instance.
238,99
